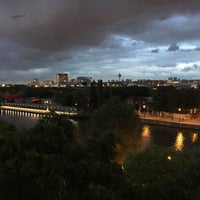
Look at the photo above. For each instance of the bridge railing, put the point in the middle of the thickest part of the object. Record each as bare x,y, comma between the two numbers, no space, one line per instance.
50,107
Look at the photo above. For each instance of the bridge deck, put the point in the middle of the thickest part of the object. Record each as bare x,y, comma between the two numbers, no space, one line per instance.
43,111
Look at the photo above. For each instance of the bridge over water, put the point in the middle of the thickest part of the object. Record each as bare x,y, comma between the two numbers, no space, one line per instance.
40,109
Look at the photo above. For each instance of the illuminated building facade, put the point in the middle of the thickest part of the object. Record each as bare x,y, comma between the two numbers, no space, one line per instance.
61,80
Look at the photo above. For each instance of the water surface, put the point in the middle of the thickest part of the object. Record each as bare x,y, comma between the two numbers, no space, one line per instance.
152,135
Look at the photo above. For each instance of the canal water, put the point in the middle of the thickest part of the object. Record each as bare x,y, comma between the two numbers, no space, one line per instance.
152,135
20,120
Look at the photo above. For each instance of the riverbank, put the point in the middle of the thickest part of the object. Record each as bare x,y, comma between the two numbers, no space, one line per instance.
193,124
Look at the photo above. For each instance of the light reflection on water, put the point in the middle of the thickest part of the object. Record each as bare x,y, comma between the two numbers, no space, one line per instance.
194,137
21,119
179,143
169,137
146,137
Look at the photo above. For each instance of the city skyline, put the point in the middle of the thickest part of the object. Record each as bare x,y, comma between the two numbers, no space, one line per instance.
139,39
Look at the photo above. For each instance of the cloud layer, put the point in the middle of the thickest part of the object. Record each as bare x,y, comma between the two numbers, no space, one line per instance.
96,38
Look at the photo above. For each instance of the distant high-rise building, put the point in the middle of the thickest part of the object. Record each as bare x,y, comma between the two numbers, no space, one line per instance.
83,79
47,83
34,83
62,79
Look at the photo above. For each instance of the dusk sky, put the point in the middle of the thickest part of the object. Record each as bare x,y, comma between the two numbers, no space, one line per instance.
141,39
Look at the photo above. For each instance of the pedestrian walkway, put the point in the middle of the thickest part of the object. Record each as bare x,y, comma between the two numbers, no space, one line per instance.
178,122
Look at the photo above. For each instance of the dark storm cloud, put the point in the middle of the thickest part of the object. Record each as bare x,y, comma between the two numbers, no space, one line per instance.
173,47
43,32
54,25
194,67
155,51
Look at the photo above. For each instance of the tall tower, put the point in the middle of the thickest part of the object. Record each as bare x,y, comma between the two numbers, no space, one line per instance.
62,79
119,75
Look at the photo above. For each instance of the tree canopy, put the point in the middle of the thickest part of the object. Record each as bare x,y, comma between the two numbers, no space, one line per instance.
47,162
119,118
164,173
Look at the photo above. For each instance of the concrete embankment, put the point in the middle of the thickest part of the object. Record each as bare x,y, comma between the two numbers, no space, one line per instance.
194,125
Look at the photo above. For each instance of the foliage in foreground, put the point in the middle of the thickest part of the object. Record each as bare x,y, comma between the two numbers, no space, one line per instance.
47,163
119,118
162,173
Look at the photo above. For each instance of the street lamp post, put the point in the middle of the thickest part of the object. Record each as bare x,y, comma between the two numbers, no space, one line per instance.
179,110
143,108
